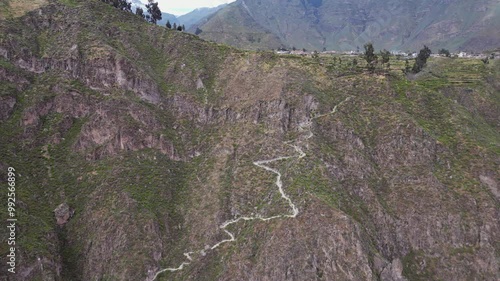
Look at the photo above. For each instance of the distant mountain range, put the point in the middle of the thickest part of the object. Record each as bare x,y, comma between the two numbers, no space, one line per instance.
187,20
347,25
197,15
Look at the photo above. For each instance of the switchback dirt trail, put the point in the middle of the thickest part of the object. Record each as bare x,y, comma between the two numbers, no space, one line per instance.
294,211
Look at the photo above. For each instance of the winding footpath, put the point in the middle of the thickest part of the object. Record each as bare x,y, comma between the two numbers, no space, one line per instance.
294,211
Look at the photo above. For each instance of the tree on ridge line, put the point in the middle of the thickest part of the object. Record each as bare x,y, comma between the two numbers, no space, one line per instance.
154,12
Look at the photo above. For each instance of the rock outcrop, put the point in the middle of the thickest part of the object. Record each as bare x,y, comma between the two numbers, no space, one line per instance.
63,213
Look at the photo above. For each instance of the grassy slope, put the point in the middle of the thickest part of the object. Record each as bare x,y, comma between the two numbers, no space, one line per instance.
16,8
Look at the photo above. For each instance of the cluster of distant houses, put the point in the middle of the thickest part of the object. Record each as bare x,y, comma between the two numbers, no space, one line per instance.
476,56
395,53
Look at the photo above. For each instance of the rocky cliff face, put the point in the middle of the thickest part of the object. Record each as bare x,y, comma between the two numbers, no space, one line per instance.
151,135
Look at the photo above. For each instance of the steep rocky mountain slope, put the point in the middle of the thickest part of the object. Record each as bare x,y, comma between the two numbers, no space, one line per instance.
235,26
197,15
153,138
346,25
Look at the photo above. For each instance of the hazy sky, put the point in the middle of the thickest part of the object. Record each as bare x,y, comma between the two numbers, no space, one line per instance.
180,7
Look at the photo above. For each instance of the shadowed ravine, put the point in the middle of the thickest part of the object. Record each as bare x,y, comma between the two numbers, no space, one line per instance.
296,144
